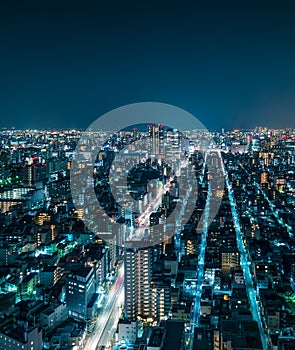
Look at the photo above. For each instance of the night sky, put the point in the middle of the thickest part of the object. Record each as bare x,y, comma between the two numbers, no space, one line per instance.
65,62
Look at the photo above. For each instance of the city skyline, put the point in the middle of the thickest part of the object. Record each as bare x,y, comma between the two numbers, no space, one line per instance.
147,175
97,263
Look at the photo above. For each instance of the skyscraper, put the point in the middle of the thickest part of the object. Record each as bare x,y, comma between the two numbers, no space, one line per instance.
156,133
138,271
145,296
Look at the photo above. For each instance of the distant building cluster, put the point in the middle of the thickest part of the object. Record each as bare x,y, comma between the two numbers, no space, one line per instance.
216,284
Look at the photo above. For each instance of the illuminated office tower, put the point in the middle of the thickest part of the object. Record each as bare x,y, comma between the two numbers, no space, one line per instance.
80,289
156,133
173,138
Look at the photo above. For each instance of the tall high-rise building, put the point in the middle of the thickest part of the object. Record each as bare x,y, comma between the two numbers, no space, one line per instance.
156,133
145,297
138,272
173,138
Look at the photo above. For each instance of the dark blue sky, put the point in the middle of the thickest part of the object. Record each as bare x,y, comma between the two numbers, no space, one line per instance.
65,62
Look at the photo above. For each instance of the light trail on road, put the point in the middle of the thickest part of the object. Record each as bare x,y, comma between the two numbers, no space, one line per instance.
113,319
104,321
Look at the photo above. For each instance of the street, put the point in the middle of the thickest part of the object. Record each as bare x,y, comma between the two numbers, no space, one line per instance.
109,314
